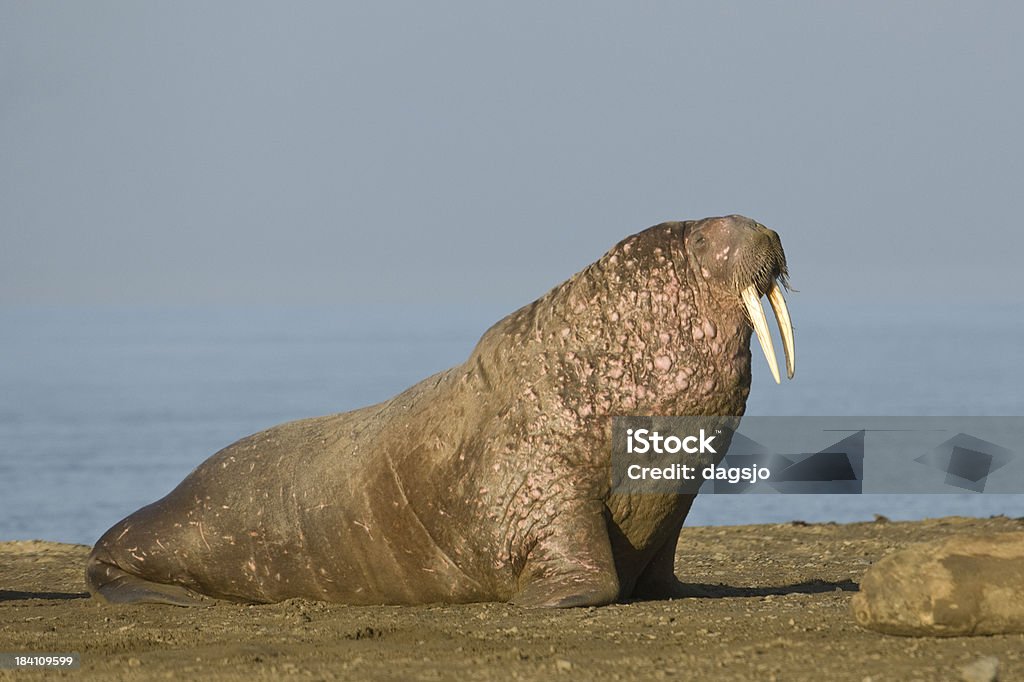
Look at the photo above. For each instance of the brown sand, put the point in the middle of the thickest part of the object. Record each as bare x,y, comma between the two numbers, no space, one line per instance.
776,607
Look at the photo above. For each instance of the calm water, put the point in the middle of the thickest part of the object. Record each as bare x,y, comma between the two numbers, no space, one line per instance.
103,410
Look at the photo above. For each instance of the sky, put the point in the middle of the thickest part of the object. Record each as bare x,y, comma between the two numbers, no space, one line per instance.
481,152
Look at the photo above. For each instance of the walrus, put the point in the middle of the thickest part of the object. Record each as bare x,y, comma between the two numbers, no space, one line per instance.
488,481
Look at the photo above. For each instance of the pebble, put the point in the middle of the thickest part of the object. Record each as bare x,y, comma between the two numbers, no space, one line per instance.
982,670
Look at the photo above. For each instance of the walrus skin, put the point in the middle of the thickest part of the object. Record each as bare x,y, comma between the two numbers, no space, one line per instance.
489,481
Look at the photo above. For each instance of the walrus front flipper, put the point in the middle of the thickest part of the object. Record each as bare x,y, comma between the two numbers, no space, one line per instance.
658,580
573,566
114,585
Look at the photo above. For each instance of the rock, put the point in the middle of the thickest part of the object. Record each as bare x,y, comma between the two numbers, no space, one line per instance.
982,670
961,585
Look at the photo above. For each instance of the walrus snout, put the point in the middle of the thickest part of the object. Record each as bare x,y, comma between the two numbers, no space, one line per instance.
749,257
735,251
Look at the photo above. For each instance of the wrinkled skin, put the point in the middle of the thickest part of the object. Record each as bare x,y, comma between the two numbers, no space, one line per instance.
489,481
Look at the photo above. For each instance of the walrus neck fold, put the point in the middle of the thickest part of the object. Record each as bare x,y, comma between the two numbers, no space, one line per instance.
630,334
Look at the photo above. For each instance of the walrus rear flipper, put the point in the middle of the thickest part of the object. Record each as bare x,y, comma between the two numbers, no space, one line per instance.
114,585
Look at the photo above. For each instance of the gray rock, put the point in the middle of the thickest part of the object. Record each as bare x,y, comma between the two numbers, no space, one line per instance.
982,670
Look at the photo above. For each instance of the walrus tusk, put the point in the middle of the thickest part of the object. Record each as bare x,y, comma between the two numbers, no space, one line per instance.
757,319
785,326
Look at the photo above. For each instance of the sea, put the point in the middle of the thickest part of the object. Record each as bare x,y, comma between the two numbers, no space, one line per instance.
104,409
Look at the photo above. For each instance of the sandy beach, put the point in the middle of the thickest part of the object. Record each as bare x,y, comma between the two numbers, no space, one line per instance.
775,605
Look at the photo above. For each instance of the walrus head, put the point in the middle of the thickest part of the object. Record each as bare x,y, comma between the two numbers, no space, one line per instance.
743,260
661,324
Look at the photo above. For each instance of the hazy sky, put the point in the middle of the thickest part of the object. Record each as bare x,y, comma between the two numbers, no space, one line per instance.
415,152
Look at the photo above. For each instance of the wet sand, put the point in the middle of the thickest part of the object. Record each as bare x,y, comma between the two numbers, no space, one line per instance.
775,605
